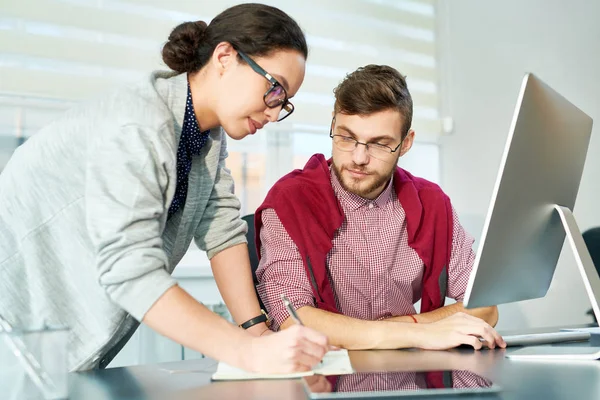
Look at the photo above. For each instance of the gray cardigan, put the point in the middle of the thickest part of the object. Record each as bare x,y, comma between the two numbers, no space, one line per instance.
84,237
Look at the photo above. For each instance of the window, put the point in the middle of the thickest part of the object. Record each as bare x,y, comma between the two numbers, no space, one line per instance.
54,53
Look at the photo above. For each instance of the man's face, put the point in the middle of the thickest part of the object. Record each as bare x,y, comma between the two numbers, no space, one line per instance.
367,172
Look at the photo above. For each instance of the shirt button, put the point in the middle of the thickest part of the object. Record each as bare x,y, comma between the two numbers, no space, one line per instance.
370,205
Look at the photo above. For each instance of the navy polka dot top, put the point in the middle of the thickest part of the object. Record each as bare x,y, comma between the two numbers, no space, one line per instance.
190,144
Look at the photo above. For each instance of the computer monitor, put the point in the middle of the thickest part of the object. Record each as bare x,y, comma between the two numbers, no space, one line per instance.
530,210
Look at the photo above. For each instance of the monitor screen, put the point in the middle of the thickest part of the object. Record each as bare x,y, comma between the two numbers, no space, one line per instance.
524,231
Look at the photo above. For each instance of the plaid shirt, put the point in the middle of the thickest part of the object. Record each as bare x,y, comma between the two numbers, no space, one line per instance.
374,273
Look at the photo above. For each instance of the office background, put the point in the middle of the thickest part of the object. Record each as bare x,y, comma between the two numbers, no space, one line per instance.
464,60
485,48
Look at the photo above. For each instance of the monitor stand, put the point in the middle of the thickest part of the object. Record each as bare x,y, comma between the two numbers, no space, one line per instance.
591,281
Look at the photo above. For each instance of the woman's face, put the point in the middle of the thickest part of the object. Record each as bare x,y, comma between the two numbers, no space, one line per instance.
240,107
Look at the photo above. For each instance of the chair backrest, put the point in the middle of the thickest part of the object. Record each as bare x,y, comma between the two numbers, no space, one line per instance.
250,235
251,244
591,237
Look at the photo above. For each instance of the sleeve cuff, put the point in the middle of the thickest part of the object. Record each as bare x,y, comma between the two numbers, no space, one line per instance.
139,295
235,241
279,313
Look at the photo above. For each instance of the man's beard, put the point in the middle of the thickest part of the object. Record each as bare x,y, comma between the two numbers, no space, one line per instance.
354,186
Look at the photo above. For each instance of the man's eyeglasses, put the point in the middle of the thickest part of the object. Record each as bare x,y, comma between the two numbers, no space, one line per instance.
276,95
375,150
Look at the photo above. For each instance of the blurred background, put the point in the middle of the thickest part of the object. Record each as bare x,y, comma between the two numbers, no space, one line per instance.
464,61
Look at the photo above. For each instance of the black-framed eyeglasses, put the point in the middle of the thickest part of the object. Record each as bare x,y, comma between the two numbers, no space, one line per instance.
276,95
376,150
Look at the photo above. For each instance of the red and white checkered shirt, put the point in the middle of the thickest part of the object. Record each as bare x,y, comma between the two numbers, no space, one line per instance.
374,273
374,381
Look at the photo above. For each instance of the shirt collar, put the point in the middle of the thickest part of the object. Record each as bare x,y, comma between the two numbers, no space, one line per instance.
353,202
172,87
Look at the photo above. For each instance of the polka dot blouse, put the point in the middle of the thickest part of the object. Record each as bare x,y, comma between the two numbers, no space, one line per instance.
191,142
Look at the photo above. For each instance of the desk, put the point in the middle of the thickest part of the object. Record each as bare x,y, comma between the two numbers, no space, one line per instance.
520,379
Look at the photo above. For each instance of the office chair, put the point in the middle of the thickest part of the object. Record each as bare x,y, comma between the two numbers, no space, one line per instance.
591,237
250,235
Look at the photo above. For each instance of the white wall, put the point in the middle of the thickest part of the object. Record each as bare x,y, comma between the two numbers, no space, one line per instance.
485,48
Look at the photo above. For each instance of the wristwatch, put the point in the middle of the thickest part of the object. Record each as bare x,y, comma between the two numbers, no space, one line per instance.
263,317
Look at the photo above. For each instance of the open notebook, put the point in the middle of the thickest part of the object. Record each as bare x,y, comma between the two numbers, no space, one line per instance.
335,362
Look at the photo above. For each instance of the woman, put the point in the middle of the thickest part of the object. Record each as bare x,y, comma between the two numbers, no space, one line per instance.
98,207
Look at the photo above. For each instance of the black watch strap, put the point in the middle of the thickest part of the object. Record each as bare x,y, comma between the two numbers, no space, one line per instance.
256,320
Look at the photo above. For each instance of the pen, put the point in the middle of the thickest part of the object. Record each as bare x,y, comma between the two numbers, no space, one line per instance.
291,310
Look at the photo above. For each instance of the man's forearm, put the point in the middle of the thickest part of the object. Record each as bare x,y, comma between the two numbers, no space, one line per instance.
355,334
488,314
233,274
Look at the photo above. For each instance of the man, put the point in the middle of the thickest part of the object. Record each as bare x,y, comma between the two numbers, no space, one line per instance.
355,242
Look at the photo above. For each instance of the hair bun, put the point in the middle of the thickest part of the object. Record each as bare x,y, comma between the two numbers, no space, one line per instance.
180,53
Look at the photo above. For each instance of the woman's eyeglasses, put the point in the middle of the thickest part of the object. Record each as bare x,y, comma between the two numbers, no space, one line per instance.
276,96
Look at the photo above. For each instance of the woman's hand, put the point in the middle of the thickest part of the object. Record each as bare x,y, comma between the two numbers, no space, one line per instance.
296,349
267,332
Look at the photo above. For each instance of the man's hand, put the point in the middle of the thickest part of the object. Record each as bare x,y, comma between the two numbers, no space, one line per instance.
296,349
456,330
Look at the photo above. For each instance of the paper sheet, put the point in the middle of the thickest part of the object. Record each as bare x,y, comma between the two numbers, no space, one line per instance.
335,362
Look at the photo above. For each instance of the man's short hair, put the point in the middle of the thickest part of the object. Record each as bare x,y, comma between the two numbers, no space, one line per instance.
374,88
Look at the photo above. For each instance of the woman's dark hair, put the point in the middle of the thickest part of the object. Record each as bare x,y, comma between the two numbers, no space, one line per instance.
255,29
